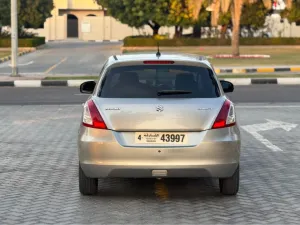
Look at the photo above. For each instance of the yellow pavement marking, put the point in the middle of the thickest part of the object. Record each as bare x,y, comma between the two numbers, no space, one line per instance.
265,70
217,71
55,65
238,71
161,190
295,69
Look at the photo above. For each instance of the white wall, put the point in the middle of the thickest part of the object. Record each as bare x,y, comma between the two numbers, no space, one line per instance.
279,28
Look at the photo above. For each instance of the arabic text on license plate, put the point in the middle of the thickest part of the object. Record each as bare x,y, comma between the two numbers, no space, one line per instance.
160,138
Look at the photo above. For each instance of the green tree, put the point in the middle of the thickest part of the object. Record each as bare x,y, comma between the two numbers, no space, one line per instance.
4,13
180,16
254,16
203,19
223,6
137,13
31,13
224,20
292,13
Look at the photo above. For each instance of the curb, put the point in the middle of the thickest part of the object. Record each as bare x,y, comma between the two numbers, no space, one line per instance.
4,59
253,81
7,58
257,70
78,41
77,83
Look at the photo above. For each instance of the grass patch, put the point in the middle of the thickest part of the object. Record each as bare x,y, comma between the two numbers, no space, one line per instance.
4,54
72,78
188,41
280,55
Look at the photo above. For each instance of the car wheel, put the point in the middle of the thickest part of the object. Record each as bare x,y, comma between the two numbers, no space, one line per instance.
87,186
230,186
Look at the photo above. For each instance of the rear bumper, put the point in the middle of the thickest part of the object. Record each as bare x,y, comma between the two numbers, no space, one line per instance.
105,153
216,170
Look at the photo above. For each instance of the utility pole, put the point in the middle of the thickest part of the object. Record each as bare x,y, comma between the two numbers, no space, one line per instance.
14,37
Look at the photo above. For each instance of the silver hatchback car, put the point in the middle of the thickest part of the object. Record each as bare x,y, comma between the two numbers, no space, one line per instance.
158,116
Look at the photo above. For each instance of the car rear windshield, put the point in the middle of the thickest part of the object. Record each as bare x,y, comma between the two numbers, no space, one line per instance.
159,81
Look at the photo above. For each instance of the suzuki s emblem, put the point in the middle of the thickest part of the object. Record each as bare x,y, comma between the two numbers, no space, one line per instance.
159,108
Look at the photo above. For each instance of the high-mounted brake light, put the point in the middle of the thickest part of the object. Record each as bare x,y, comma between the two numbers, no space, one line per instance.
158,62
226,116
92,117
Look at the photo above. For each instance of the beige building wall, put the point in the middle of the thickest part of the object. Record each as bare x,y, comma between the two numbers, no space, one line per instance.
80,16
119,30
81,4
93,28
107,28
101,27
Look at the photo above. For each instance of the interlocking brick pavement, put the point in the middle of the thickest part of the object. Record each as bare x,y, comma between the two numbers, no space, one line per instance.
39,169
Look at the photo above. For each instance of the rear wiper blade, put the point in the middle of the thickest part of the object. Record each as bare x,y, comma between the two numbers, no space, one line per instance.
173,92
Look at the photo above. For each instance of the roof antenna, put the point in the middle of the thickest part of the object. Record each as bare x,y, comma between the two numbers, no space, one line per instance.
158,52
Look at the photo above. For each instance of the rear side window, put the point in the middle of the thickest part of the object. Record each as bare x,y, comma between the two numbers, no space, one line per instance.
146,81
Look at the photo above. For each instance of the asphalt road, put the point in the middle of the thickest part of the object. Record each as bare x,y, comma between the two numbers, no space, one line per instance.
39,175
67,95
64,58
39,163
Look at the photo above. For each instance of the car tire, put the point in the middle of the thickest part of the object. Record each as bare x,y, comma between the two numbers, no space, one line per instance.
87,186
230,185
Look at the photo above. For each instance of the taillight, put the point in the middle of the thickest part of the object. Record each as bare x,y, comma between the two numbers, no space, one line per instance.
92,117
226,116
158,62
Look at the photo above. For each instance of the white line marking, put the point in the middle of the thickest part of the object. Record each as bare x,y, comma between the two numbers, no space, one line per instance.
24,64
266,142
270,125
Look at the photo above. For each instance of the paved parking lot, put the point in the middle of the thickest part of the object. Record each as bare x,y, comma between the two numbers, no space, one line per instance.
65,58
38,173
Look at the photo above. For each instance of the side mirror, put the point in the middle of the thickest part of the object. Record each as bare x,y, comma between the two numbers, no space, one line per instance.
227,86
87,87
